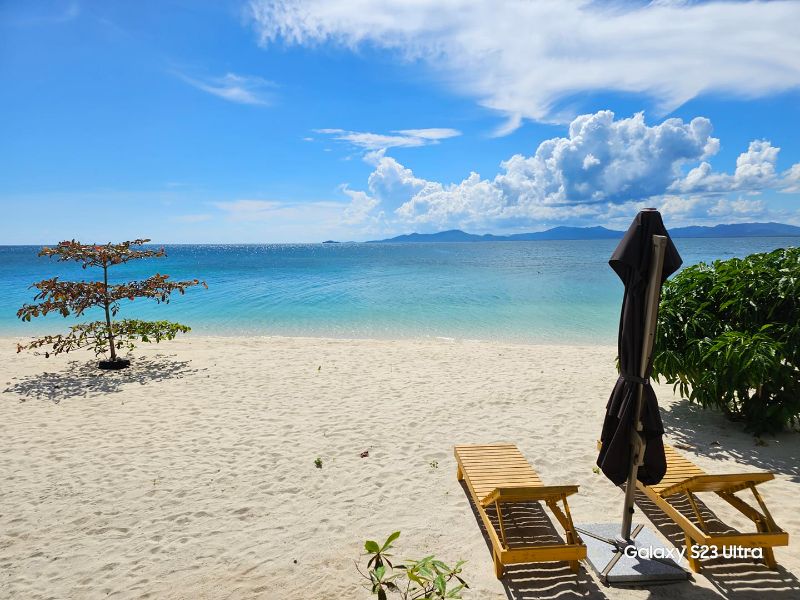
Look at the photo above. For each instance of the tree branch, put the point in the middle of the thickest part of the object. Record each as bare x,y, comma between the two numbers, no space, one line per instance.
93,255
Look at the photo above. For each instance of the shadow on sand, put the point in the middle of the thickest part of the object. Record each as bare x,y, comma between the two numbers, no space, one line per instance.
691,425
524,523
734,578
80,378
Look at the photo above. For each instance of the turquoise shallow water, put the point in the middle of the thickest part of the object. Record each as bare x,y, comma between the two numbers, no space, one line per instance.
540,292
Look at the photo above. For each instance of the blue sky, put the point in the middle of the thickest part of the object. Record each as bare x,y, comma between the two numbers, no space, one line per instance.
192,121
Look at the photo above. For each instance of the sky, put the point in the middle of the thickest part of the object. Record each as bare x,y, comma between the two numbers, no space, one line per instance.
266,121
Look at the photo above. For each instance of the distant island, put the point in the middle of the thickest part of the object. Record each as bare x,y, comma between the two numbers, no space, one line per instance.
601,233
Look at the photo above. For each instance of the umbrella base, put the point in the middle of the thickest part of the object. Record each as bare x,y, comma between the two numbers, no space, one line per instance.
645,560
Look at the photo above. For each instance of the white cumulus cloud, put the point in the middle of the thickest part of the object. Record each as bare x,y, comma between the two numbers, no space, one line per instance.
791,179
604,168
755,170
361,204
738,208
526,59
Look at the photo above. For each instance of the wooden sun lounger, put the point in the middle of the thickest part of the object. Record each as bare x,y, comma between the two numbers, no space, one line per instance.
685,478
498,474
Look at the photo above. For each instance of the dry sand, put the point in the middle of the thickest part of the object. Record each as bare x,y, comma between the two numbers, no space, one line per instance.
192,474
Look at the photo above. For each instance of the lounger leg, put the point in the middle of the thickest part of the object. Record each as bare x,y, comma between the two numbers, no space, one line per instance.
498,566
572,535
769,559
460,473
694,563
502,527
769,555
574,565
696,510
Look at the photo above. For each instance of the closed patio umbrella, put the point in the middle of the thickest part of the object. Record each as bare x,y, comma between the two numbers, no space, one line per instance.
632,262
631,444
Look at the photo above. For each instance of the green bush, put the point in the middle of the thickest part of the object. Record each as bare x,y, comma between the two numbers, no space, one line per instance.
729,337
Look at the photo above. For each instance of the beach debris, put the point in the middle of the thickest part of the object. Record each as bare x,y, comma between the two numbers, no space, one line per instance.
684,446
318,462
596,470
434,464
319,368
715,443
364,454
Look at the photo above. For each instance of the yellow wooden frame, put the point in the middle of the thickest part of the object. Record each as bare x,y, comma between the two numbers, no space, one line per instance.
498,474
686,478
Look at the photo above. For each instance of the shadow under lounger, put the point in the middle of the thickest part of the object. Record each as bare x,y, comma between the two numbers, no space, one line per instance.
685,479
500,479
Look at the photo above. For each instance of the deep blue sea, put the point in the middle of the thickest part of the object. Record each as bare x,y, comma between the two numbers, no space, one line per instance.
542,291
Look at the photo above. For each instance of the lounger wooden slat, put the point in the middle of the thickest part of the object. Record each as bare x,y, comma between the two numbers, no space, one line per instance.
490,462
498,463
498,475
716,483
683,479
493,476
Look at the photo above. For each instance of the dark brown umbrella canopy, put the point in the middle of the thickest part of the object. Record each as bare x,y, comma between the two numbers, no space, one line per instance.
631,262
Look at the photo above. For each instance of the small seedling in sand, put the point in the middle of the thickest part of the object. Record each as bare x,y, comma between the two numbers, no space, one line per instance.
596,470
424,579
434,464
318,462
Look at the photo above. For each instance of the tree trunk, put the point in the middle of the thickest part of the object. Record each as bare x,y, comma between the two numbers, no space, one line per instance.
106,304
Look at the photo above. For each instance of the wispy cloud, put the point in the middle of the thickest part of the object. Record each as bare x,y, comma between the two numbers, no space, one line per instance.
528,59
243,89
192,218
402,138
62,12
276,211
247,210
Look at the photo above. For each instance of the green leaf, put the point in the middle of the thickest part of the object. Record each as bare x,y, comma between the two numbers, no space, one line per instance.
390,539
441,586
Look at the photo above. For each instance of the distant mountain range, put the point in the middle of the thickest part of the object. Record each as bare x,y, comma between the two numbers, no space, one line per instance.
601,233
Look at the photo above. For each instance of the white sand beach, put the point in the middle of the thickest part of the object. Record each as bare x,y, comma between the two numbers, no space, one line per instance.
192,474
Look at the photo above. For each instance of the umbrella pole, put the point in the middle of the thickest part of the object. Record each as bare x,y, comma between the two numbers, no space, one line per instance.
637,442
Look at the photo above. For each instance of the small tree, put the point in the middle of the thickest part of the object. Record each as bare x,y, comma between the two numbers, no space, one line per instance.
729,337
75,297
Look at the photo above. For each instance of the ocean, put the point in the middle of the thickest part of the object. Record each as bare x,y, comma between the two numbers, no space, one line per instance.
528,292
